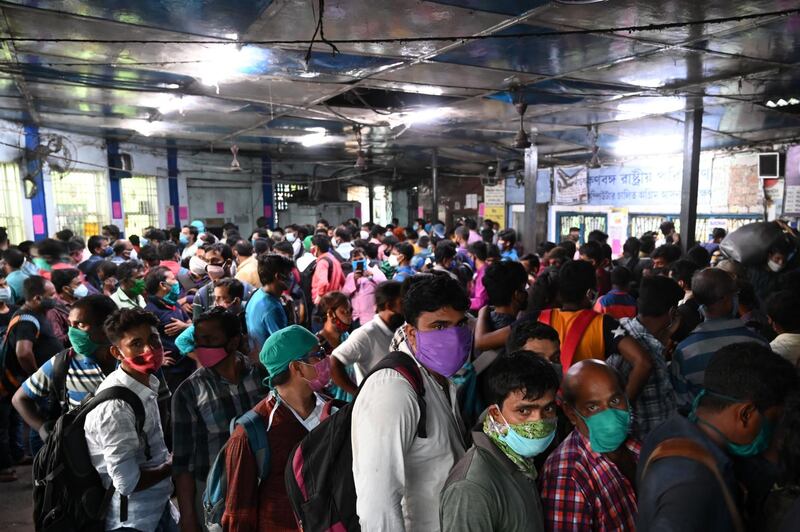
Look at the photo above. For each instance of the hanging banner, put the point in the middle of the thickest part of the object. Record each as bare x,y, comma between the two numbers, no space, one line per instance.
791,198
570,185
495,204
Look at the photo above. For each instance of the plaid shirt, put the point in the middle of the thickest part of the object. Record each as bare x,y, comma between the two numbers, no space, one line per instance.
657,401
583,490
202,409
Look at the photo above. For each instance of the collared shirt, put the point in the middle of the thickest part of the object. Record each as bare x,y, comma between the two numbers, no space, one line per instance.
480,298
362,294
617,303
787,345
402,273
118,453
656,401
584,490
84,376
398,477
123,301
365,347
247,271
487,492
694,353
202,409
265,316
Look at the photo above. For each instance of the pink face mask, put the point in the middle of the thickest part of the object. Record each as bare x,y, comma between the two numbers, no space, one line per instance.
215,272
323,369
152,359
210,356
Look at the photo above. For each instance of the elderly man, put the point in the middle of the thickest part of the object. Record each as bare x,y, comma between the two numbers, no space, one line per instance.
716,292
588,481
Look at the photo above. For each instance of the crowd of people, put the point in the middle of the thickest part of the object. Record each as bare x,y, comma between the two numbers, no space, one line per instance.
402,378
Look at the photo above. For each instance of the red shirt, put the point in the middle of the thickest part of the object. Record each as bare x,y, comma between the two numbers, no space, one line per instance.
252,507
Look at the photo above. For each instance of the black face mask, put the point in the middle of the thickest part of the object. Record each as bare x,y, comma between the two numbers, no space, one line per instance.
48,303
396,321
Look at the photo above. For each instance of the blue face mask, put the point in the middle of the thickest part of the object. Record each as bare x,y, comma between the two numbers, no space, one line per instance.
172,295
755,447
526,439
80,292
143,242
183,239
108,251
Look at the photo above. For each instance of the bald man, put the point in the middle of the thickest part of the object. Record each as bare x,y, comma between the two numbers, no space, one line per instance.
588,481
717,293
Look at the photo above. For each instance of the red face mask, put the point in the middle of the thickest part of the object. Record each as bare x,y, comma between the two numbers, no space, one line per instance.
152,359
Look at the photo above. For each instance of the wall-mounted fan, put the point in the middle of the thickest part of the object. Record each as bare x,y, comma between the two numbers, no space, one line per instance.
56,151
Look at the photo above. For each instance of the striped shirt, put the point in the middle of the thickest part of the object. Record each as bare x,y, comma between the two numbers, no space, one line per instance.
617,303
84,375
202,409
118,453
694,353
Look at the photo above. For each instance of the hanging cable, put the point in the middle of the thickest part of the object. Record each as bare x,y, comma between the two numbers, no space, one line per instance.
321,30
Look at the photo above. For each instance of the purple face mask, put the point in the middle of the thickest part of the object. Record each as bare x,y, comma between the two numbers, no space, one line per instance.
444,351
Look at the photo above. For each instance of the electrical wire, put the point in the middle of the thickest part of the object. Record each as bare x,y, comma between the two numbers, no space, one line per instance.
462,38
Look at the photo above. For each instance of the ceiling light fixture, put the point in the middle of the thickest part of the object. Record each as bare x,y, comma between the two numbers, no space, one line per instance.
423,116
223,62
649,106
317,138
145,127
782,103
169,103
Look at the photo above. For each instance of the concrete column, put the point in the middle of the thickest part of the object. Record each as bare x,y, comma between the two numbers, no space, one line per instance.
530,176
33,169
692,136
435,185
172,178
266,190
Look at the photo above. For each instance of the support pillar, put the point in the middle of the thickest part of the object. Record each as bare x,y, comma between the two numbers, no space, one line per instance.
266,190
435,185
34,170
692,136
530,176
371,200
114,177
172,177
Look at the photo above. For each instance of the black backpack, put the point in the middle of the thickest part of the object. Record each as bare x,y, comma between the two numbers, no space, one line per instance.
68,494
319,471
305,285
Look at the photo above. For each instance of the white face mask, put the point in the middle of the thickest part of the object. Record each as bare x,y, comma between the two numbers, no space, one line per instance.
290,237
364,235
388,233
774,266
5,294
394,262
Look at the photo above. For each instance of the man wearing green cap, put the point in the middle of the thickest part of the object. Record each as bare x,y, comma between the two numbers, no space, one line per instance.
306,257
130,275
297,372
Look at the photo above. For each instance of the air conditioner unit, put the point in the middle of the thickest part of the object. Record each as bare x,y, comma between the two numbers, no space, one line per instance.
122,162
771,165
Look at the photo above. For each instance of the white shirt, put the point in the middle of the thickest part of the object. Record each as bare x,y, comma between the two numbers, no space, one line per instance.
365,347
345,249
304,261
313,419
117,453
787,345
398,477
190,251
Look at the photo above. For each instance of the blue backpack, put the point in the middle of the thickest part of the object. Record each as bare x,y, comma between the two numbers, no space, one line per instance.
217,480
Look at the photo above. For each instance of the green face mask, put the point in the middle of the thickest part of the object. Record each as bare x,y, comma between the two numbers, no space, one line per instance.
82,343
755,447
138,287
607,429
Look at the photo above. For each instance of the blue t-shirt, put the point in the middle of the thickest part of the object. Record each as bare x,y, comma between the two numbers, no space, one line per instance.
264,315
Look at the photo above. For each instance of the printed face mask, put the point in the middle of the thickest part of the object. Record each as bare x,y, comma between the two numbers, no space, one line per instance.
525,439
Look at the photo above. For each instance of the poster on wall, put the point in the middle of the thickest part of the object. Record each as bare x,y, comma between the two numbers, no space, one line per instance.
791,198
571,185
617,229
495,204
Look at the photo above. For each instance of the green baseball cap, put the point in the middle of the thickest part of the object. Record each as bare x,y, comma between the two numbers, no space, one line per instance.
285,346
307,243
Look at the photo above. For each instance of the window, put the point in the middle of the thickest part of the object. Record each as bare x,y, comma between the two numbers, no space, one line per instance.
11,198
82,202
139,203
285,192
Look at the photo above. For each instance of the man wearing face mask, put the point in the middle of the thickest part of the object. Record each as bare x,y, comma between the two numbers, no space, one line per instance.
264,313
368,344
219,259
398,476
656,321
131,287
732,418
716,292
69,289
226,386
163,290
518,426
99,249
588,481
293,408
138,466
78,371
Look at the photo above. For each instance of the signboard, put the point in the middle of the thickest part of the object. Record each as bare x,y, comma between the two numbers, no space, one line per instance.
571,185
617,230
791,198
495,204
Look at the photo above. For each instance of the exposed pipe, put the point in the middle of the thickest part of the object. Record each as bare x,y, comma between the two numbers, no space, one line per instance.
435,183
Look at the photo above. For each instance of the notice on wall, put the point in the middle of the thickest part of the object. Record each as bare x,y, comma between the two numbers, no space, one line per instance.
220,207
571,185
471,201
617,230
791,198
494,199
